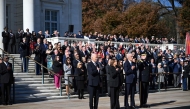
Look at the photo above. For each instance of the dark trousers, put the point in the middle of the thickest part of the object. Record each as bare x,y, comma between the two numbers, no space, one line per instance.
25,64
11,48
137,86
188,82
144,86
114,98
130,90
152,82
38,67
176,80
44,63
17,47
80,93
170,79
108,88
93,96
5,46
74,85
184,83
6,92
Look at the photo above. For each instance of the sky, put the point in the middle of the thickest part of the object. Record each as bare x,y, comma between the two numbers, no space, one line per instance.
165,2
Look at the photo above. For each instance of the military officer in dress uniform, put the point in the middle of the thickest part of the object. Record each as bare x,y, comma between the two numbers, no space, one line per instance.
144,75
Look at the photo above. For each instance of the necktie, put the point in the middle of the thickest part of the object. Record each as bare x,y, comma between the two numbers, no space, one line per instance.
95,64
6,64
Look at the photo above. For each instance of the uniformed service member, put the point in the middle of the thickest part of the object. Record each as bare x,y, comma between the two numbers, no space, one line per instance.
144,74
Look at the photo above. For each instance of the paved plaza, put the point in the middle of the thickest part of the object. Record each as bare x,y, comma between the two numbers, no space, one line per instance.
170,99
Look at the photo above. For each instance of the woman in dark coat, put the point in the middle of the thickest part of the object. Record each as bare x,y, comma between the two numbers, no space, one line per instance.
80,80
115,83
120,66
58,69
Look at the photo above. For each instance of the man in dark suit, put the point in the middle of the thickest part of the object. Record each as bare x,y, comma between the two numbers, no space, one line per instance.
165,66
102,72
94,81
5,35
64,46
79,35
75,62
24,51
144,75
6,81
130,81
27,35
44,47
38,56
83,53
18,40
108,76
41,36
11,42
55,34
153,76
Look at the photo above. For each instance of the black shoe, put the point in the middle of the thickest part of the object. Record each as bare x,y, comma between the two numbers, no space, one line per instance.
127,108
133,107
83,98
9,103
146,106
4,104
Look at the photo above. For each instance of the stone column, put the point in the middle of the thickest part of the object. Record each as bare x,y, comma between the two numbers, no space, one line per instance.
2,21
28,15
76,15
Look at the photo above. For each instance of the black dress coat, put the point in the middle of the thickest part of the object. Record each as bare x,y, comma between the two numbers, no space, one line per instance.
80,78
114,77
6,75
57,66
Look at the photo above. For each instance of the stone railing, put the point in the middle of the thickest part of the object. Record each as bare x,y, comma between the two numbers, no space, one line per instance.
116,44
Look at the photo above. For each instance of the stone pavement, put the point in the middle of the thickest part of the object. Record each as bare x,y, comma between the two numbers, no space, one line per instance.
170,99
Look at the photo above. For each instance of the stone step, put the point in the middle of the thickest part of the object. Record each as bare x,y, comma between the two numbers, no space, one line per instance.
29,71
34,85
37,95
22,73
37,88
32,79
26,91
29,99
30,76
20,63
19,68
33,82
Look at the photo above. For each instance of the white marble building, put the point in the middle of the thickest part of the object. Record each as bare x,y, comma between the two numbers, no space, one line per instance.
41,15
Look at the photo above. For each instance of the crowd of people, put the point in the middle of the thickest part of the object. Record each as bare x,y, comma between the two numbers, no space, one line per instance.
106,68
13,39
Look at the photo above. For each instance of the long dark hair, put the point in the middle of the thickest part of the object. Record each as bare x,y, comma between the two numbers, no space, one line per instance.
119,63
56,58
67,61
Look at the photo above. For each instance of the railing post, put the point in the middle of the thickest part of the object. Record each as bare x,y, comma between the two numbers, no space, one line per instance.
26,59
68,95
13,89
159,82
60,85
13,65
22,64
42,75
